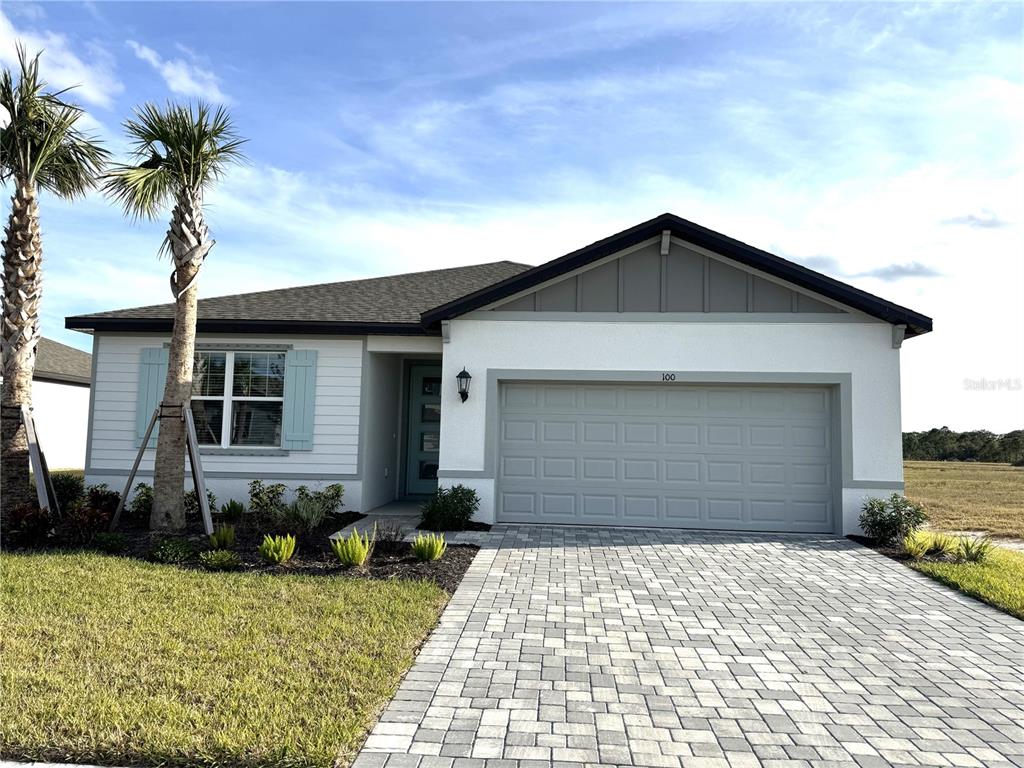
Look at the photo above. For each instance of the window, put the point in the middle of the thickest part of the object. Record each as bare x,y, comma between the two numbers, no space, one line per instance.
238,398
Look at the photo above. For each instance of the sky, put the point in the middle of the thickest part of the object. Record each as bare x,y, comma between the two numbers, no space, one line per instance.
881,144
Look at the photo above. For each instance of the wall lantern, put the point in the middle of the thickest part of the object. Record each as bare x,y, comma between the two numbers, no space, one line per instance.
463,382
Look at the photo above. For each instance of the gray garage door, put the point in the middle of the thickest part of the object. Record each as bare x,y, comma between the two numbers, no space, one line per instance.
726,457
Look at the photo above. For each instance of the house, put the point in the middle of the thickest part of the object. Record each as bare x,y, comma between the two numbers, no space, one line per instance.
665,376
60,402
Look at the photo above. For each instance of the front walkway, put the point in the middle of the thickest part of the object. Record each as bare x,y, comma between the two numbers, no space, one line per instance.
568,646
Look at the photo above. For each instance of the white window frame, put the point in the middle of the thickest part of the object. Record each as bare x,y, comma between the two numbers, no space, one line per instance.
228,399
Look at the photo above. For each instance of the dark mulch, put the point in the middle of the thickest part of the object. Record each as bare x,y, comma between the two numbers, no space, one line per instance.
313,555
473,525
894,553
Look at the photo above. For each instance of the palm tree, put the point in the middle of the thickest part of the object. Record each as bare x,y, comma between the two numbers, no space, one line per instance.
180,152
40,149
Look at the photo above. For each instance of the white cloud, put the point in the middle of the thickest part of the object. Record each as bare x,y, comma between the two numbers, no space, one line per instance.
62,67
183,77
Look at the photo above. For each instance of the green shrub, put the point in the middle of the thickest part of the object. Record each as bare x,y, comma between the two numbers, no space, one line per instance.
232,511
971,550
942,545
329,497
69,488
111,543
172,551
219,560
301,516
917,544
30,525
449,509
266,501
277,549
83,521
356,549
223,537
192,502
140,508
891,520
429,546
101,498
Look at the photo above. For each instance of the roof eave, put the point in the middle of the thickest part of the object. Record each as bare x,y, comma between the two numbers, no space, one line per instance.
287,327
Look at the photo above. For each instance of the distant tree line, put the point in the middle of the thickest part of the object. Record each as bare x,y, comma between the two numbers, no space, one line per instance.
980,445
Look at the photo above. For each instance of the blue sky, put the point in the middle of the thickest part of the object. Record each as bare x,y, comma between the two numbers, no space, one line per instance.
879,143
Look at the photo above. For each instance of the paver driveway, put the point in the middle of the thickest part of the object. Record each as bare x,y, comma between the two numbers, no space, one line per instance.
663,648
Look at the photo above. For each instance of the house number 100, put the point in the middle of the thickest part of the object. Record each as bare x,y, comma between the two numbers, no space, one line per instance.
668,377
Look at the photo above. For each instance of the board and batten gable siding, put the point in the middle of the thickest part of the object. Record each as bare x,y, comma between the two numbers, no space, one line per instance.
335,428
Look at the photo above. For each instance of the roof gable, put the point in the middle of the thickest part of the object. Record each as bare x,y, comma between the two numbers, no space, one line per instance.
60,363
662,275
703,238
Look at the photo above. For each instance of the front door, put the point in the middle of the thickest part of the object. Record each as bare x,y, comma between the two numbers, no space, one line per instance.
424,439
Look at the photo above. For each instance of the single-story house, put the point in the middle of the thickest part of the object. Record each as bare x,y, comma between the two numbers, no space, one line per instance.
665,376
60,402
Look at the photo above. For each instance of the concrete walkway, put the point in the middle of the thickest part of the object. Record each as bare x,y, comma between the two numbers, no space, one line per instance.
570,647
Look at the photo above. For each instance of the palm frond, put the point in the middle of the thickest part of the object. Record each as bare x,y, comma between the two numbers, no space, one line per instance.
191,144
41,142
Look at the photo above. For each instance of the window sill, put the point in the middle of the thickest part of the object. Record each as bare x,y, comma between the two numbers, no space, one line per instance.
214,451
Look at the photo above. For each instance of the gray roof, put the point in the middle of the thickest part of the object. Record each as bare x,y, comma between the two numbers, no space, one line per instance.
397,299
61,363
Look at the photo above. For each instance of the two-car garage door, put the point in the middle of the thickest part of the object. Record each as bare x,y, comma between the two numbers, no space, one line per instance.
753,458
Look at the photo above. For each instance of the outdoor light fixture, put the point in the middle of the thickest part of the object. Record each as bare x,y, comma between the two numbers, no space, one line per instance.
463,382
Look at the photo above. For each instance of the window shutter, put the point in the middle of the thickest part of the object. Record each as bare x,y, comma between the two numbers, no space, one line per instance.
299,399
152,377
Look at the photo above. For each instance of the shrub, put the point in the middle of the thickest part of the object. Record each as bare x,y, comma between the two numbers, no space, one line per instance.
69,488
172,551
140,508
220,560
891,520
30,525
83,521
429,546
389,536
356,549
223,537
232,511
101,498
266,501
916,544
449,509
942,545
111,543
329,497
972,550
192,502
301,516
277,549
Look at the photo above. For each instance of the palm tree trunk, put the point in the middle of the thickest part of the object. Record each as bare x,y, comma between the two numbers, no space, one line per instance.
189,241
19,335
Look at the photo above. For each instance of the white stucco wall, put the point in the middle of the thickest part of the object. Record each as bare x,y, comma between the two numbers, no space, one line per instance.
334,457
61,415
862,350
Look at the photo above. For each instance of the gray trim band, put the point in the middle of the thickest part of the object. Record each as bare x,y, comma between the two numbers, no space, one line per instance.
880,485
215,451
481,473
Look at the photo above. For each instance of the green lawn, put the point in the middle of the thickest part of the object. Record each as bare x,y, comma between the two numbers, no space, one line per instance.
999,581
116,661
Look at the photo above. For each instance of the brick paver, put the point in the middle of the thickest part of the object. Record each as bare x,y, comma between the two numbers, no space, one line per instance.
571,647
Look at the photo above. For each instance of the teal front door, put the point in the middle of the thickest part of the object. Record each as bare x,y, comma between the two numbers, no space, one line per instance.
424,440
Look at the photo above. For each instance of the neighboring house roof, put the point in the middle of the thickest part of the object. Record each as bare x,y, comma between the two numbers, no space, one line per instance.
716,242
62,364
391,304
417,302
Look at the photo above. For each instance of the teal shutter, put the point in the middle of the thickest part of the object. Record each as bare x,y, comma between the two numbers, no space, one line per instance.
152,377
299,399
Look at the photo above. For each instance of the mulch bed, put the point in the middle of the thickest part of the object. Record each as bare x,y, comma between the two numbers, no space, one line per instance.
894,553
313,555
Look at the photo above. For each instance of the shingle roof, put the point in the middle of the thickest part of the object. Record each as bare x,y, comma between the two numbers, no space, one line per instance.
396,300
61,363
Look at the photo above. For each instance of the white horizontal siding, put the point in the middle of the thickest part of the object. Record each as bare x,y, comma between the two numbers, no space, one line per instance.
335,430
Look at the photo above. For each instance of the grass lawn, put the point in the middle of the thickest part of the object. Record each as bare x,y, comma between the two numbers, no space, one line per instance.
117,661
969,496
999,581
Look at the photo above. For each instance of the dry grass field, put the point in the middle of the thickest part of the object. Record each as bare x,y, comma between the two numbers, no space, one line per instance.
969,496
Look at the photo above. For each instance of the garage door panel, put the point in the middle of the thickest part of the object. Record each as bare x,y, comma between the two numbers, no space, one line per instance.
746,458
